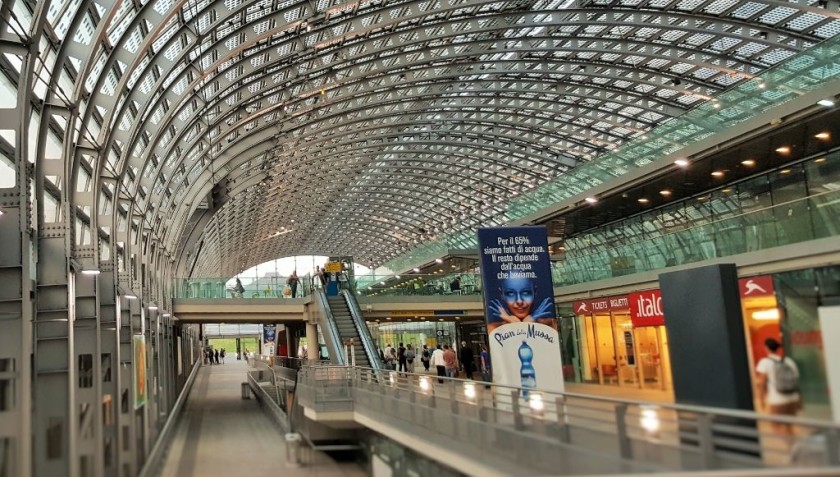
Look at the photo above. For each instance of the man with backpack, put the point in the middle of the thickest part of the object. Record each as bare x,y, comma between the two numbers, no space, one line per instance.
777,378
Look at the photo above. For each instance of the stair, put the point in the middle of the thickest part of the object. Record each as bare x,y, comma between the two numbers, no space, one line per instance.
347,329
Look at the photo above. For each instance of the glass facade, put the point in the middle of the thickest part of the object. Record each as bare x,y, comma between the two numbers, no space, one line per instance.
792,204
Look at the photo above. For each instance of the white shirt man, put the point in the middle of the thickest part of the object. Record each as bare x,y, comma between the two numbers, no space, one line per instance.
438,362
779,403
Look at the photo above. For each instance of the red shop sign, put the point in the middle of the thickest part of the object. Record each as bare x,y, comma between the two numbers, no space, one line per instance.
761,285
597,305
646,308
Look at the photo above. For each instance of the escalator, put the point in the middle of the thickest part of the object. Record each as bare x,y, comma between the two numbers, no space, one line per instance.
343,322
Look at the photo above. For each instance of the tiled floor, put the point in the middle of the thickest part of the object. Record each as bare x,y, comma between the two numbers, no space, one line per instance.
220,434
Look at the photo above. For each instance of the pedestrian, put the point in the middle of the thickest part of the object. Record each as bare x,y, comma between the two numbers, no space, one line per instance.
293,282
486,370
222,355
238,289
409,358
401,359
450,360
216,356
439,363
777,379
390,357
425,357
467,360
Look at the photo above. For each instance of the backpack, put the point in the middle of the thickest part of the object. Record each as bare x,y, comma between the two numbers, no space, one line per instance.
785,377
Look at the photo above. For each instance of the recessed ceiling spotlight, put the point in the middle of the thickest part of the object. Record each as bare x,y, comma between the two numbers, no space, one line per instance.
826,102
717,173
644,200
439,260
416,270
784,171
682,162
783,150
825,135
748,162
591,200
665,193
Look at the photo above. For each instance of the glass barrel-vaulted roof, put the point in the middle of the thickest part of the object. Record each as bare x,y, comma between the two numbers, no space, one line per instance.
378,128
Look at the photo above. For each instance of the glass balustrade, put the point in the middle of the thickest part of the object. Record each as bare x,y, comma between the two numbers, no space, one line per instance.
794,204
252,287
418,284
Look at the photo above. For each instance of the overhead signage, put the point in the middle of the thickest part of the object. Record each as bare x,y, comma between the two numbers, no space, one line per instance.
598,305
646,308
519,308
333,267
761,285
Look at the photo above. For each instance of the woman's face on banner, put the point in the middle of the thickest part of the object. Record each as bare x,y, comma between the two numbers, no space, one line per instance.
518,294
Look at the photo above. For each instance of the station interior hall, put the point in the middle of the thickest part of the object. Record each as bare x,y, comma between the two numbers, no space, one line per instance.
409,238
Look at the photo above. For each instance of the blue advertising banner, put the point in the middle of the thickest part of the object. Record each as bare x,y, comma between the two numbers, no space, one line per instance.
519,306
269,338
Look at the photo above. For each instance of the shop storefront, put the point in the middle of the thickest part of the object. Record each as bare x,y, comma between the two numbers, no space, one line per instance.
618,341
785,306
415,333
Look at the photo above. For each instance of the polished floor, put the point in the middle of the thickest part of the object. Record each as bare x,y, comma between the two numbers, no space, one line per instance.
221,434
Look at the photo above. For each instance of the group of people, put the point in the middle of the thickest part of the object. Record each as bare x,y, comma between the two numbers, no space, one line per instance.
446,361
214,356
321,277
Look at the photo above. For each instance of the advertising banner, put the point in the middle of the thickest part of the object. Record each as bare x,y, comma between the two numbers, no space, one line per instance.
139,347
269,339
519,306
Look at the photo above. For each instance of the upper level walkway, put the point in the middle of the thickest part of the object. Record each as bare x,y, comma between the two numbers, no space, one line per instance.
221,434
486,429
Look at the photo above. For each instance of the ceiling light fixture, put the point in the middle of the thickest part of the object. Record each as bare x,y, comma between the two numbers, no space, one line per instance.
665,193
748,162
439,260
717,173
644,200
826,102
591,200
825,135
783,150
90,272
682,162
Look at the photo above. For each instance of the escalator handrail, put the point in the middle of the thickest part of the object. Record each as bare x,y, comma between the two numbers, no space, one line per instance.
362,329
332,337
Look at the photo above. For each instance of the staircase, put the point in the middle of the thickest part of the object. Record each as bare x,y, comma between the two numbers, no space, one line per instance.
347,330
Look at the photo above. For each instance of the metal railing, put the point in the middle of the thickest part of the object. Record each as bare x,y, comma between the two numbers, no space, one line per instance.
252,287
581,434
155,460
362,329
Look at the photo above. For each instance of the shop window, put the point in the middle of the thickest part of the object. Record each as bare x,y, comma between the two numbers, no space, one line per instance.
7,384
55,438
85,370
5,457
105,361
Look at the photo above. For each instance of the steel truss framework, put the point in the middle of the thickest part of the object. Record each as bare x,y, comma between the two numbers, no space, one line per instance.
135,133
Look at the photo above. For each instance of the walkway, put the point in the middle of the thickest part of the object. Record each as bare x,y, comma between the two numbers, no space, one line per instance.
220,434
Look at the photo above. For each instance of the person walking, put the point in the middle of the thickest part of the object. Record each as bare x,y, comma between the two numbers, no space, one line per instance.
222,355
425,357
486,370
390,357
293,283
401,359
777,380
450,360
467,360
439,363
409,358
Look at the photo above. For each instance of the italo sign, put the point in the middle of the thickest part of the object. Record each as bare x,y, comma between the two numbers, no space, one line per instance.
646,308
